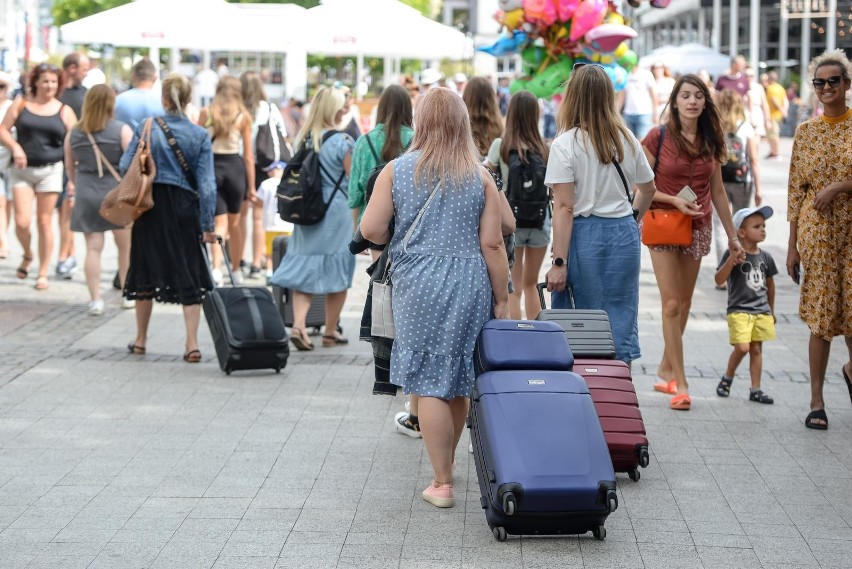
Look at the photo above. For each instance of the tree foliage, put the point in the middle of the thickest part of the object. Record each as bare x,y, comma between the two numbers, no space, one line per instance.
65,11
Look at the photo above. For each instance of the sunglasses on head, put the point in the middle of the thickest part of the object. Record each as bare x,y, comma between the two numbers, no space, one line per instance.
832,81
580,64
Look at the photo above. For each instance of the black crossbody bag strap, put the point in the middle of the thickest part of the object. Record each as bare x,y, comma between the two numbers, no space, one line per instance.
373,149
623,180
181,158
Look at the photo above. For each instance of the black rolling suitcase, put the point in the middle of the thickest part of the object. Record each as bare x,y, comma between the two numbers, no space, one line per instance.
247,330
316,313
588,331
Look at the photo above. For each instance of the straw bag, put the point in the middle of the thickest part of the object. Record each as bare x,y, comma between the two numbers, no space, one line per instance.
134,194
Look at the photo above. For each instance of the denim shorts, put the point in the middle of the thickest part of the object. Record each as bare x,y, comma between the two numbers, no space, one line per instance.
531,237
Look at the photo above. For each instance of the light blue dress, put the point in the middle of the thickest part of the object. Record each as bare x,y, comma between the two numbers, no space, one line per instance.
318,260
441,291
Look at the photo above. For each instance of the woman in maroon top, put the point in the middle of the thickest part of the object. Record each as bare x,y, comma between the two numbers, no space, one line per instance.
691,154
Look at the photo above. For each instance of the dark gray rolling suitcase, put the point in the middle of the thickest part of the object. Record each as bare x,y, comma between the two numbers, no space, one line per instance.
588,331
247,330
283,299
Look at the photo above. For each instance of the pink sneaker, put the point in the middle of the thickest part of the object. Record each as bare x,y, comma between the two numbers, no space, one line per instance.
440,496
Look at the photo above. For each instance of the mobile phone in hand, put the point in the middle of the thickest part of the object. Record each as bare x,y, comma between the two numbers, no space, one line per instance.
797,273
687,194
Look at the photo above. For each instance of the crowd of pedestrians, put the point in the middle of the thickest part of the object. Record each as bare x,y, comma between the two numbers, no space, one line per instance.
443,207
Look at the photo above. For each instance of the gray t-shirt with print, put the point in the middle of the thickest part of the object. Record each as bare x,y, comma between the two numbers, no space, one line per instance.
747,290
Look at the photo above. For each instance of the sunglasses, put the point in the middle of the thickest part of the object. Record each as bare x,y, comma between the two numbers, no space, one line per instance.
832,81
580,64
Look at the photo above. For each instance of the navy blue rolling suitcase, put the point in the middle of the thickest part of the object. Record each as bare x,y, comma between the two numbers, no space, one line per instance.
541,456
521,344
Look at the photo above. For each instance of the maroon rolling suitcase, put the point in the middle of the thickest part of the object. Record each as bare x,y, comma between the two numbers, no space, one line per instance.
614,396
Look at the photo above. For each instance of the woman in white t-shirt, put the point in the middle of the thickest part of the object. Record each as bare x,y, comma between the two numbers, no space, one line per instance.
732,112
595,236
639,101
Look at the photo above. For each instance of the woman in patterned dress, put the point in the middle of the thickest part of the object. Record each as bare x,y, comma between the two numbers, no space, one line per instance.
820,214
443,271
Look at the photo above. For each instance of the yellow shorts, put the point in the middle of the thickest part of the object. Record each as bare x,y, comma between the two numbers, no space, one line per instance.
745,328
270,237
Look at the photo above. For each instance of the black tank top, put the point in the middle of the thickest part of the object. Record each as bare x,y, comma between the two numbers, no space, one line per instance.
41,137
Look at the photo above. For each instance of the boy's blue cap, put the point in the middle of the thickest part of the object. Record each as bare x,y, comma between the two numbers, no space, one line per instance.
742,214
274,165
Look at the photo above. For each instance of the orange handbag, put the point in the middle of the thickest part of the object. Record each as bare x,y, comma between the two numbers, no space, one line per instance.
666,227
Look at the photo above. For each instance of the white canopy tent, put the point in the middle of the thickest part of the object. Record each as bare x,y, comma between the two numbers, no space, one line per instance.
191,24
688,58
380,28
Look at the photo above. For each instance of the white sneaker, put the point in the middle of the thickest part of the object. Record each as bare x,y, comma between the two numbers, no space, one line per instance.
218,279
404,426
96,308
238,278
127,303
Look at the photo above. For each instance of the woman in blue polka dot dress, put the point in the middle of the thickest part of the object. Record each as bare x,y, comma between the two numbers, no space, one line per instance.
443,271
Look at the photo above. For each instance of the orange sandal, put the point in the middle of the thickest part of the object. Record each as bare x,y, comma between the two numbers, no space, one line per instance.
681,402
669,387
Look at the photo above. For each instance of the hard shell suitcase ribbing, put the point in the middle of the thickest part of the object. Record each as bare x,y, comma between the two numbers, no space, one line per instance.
588,331
247,330
562,483
283,298
621,420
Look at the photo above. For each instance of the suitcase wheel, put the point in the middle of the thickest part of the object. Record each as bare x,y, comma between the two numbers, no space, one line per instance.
611,501
644,457
227,371
500,533
277,369
634,475
509,503
599,533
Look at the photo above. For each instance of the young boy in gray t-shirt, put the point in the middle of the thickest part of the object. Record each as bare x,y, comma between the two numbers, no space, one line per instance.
751,300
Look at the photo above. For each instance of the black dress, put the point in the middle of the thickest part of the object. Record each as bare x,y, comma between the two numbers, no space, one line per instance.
167,263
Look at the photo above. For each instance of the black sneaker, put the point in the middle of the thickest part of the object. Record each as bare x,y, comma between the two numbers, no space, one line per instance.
254,272
759,396
405,426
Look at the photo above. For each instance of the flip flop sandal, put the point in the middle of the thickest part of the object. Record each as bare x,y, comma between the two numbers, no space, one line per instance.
724,387
192,356
813,417
333,340
298,337
847,379
681,402
669,387
136,350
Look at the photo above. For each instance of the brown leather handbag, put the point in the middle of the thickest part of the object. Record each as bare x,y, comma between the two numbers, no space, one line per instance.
134,194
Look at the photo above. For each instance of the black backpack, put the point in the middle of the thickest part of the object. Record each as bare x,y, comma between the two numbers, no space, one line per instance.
525,190
736,169
269,144
300,198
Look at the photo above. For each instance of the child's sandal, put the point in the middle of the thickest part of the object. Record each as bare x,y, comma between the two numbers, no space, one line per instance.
724,387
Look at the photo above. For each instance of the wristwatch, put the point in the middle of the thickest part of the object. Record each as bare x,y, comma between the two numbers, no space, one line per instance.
558,261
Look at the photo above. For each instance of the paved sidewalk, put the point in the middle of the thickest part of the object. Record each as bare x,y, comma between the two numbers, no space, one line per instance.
120,461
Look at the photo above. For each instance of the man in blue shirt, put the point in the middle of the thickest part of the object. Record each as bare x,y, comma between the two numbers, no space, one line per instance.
142,101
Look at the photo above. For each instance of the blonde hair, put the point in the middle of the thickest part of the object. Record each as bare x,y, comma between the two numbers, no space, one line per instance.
252,89
177,93
444,139
834,57
325,105
227,106
731,109
589,105
98,109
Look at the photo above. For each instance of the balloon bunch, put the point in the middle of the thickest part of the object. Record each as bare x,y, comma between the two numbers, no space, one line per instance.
553,35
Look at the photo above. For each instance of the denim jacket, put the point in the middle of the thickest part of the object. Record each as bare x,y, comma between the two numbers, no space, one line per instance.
196,146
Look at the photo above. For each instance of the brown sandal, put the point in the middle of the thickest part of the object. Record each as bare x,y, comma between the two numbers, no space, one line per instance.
136,350
42,283
333,340
24,268
192,356
300,340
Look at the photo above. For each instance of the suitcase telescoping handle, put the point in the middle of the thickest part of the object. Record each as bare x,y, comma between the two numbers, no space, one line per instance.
541,287
225,255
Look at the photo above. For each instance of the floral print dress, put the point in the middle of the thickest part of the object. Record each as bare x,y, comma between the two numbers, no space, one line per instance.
822,154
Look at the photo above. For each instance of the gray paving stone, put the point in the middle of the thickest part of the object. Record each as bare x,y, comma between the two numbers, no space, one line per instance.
244,562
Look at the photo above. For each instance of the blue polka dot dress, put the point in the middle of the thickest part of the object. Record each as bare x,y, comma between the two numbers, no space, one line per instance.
441,291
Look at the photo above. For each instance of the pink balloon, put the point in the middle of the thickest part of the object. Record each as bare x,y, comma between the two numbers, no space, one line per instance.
540,12
588,15
565,9
607,37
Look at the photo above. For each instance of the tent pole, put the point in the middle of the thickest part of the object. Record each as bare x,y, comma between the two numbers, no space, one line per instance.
359,76
154,56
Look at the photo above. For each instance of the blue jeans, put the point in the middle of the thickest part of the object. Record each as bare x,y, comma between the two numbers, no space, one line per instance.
639,125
